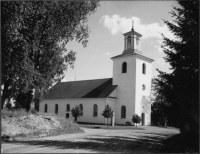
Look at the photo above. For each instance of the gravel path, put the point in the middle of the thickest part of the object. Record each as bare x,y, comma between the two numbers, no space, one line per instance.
94,141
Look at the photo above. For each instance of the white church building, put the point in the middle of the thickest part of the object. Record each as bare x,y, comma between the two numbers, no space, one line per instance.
126,93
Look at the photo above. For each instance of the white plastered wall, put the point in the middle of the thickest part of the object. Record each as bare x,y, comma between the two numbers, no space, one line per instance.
126,87
141,104
87,103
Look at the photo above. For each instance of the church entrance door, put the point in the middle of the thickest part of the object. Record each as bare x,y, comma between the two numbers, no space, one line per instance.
143,119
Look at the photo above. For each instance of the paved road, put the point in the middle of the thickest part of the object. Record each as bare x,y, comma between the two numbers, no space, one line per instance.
147,139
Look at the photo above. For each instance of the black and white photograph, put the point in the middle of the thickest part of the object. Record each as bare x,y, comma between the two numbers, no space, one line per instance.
100,76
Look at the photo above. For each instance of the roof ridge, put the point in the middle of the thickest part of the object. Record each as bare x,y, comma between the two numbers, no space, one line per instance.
86,80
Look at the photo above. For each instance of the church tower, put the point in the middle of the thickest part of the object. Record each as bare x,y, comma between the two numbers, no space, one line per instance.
132,73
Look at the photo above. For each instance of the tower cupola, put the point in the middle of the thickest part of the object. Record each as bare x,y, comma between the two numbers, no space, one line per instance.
132,41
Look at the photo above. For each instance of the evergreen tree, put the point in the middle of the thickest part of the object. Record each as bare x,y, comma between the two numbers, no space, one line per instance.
107,113
180,89
160,109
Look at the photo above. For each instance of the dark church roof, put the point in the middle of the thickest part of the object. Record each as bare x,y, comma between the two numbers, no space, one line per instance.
99,88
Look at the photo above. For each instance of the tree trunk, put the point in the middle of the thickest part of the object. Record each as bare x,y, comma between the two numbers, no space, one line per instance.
75,118
107,122
4,95
2,102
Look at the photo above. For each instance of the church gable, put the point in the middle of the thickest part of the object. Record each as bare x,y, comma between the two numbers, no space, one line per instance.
113,94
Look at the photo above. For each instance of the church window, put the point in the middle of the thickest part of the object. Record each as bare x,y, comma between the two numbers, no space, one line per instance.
56,109
67,115
143,68
68,107
137,41
143,87
81,107
124,67
129,42
95,110
123,112
45,108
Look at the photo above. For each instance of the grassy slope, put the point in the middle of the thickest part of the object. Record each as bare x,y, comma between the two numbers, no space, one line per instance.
22,125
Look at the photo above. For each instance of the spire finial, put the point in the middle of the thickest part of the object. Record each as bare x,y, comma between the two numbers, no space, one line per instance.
132,25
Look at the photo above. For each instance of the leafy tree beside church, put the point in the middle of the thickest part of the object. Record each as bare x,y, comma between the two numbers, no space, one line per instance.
107,113
76,112
136,119
35,34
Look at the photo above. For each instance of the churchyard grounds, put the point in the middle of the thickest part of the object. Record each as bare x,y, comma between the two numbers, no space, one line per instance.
96,139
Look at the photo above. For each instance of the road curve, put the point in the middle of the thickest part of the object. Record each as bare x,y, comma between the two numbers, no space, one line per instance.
147,139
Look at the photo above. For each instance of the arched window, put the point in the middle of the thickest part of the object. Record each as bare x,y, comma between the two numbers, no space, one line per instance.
143,87
56,109
81,107
45,108
68,107
95,110
67,115
123,112
129,42
124,67
137,40
143,68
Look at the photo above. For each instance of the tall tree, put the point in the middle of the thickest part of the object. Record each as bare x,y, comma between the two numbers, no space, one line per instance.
180,89
34,36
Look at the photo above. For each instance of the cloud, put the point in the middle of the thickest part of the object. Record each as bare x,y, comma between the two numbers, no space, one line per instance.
107,53
117,24
160,41
158,48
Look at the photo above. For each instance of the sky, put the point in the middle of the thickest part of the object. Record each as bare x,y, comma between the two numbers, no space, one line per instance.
108,24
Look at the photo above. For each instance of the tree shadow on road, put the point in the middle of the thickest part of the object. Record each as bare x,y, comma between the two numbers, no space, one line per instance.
157,134
145,143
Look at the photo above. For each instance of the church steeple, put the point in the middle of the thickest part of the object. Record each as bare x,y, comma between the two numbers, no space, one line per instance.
132,41
132,27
